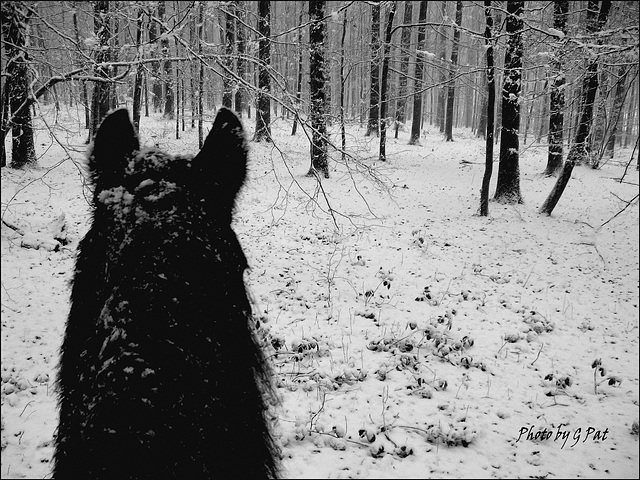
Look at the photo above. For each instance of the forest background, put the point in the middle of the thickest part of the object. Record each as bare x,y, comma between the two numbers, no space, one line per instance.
370,121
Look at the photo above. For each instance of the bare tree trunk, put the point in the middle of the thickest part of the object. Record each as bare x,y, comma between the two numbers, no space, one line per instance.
440,109
405,42
201,5
491,100
156,87
618,105
100,101
299,82
137,87
263,113
113,92
229,41
384,83
578,152
417,86
168,78
374,92
317,34
451,88
508,186
84,96
14,22
556,109
343,134
240,34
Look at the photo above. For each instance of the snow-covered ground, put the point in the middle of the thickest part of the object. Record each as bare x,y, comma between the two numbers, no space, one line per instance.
410,337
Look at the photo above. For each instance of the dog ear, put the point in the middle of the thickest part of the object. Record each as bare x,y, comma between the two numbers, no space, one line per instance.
113,146
222,162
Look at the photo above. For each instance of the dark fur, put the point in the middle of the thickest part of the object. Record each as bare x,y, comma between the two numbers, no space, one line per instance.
160,374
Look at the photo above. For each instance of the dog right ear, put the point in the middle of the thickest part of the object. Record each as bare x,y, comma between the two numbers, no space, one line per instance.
113,146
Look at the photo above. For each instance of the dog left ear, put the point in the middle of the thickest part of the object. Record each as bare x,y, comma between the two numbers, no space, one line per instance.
114,143
222,162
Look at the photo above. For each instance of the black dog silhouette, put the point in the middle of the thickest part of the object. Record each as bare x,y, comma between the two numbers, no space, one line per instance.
160,374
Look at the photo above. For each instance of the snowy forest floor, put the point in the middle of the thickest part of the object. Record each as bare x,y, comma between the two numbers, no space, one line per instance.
417,339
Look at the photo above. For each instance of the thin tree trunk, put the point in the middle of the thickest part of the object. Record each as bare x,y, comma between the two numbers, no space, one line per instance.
137,86
440,109
384,84
240,34
156,87
556,109
618,104
169,102
451,88
229,41
84,96
343,134
299,82
374,92
405,42
491,100
200,74
417,86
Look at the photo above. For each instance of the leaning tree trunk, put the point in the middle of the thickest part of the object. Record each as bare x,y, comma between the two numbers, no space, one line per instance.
578,152
491,100
451,88
508,186
556,109
374,92
263,113
417,85
317,66
384,83
14,23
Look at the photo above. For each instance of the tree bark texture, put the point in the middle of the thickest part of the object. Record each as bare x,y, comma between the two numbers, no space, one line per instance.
14,22
508,186
317,67
263,112
100,102
417,89
229,41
